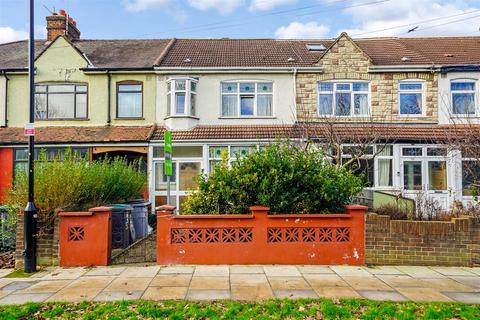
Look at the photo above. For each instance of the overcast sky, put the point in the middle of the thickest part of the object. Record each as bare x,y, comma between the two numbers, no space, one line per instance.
121,19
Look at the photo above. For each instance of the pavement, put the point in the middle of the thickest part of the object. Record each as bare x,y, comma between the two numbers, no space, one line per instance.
243,282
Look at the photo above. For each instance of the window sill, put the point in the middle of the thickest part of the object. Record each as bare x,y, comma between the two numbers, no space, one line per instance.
128,118
465,116
343,117
181,116
66,119
413,116
248,117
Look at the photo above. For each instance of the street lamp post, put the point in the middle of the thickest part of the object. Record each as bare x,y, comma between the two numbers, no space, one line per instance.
30,213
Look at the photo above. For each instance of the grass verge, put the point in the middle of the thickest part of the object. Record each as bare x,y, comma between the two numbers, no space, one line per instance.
271,309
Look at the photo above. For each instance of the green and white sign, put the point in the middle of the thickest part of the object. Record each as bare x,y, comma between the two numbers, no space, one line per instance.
168,148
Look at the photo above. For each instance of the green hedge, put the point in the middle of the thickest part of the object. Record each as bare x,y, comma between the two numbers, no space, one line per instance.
286,177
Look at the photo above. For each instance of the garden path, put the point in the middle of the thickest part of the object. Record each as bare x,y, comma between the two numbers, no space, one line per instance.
243,283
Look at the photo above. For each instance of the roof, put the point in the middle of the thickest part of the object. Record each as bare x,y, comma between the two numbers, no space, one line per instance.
207,53
103,134
344,133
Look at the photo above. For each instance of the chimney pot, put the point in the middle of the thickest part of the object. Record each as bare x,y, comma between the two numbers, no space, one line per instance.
62,12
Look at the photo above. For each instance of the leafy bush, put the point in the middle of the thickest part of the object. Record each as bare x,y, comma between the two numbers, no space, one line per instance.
283,176
73,183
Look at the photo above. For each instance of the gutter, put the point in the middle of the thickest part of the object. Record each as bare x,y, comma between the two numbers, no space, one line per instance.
207,70
405,68
109,98
460,67
119,69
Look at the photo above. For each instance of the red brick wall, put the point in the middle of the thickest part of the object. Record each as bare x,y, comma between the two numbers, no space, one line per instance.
6,171
397,242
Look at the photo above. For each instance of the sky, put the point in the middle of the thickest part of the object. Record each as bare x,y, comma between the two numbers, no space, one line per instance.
282,19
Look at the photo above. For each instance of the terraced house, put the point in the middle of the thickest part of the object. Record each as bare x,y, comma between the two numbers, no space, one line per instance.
384,105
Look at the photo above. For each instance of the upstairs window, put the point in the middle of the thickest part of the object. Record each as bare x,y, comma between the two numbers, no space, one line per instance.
343,99
129,99
247,99
182,97
61,101
463,97
411,98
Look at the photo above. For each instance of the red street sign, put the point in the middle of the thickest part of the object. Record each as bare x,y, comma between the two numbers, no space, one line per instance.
29,129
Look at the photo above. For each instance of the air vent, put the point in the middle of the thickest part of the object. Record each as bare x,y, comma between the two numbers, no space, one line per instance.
316,47
187,60
406,59
290,59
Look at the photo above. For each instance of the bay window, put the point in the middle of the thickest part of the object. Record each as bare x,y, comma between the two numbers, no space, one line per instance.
182,97
129,99
343,99
411,98
61,101
247,99
463,97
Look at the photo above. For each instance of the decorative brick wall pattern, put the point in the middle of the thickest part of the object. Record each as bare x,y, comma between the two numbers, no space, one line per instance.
345,61
399,242
144,250
47,245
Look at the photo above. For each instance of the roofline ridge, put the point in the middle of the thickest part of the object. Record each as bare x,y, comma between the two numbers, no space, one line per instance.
164,52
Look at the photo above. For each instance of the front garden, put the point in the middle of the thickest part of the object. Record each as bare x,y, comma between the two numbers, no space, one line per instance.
273,309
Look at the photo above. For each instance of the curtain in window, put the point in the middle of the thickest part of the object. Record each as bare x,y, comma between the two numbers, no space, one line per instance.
384,172
264,105
229,105
130,105
361,104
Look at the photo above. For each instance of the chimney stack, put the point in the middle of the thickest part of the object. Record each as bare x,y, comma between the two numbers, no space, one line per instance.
61,24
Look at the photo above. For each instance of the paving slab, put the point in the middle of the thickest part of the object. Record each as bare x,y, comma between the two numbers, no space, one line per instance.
18,285
289,283
453,271
5,281
464,297
366,283
91,282
126,284
140,272
475,270
118,295
446,285
165,293
423,294
65,274
75,294
198,294
315,270
246,269
176,269
248,279
105,271
325,280
380,295
336,292
46,286
4,272
251,292
420,272
396,281
295,294
171,280
350,271
21,298
473,282
212,271
384,270
210,283
281,271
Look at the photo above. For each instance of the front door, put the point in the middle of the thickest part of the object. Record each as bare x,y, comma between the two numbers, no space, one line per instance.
424,173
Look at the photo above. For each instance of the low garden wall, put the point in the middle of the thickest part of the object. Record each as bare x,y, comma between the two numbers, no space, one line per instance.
259,238
402,242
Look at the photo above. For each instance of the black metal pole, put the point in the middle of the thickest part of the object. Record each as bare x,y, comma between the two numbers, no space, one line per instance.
30,214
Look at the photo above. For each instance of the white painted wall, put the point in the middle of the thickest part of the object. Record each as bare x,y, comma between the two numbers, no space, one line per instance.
445,98
3,92
209,99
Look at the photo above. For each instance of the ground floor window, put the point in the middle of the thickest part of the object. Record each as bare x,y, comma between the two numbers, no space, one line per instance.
232,152
470,177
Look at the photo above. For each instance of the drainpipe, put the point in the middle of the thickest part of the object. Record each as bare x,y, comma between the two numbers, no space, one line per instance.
6,99
109,107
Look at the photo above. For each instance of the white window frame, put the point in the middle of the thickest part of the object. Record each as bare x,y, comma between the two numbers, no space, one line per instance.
475,97
255,95
421,91
231,158
352,98
377,168
171,82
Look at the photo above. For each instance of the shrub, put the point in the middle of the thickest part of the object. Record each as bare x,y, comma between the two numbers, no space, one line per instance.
73,183
283,176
